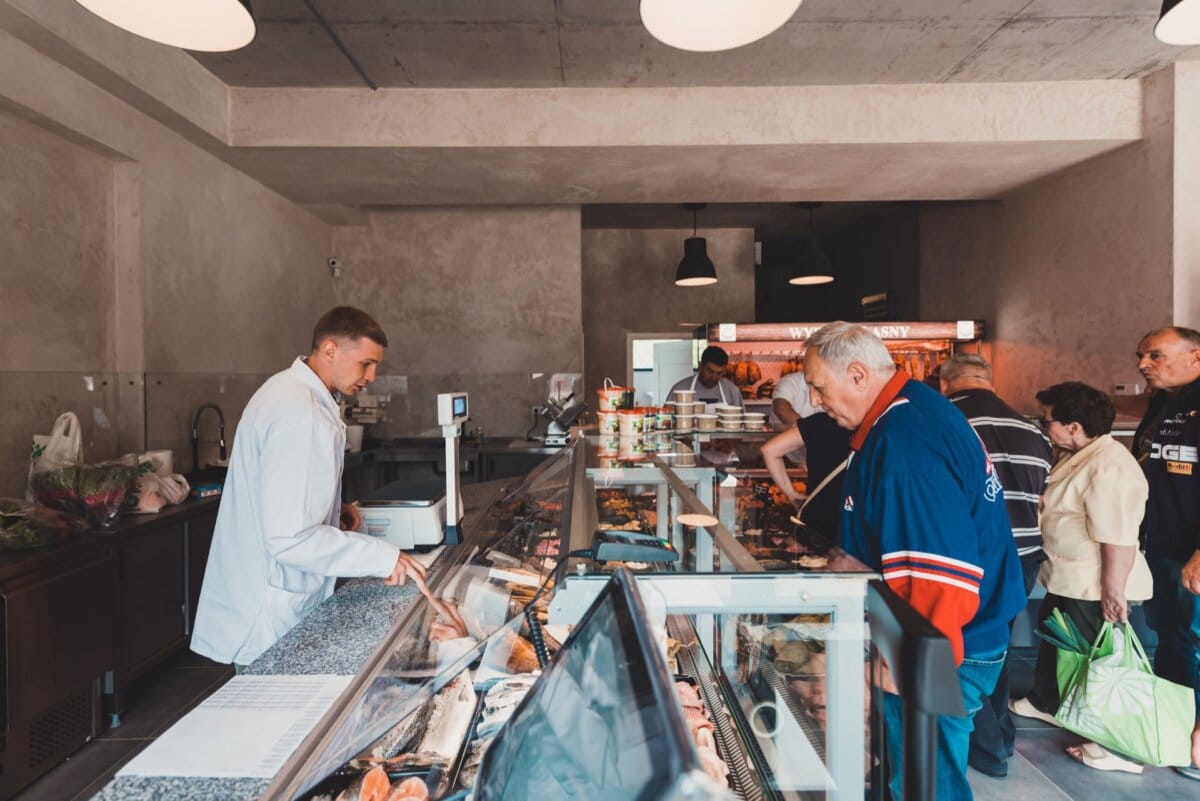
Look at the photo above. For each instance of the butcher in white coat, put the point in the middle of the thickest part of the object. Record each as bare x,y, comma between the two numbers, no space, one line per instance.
278,547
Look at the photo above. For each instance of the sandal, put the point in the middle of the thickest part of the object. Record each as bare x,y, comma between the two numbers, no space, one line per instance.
1190,772
1100,758
1025,708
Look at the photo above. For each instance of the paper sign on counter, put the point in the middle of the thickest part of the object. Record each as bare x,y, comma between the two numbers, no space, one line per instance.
248,728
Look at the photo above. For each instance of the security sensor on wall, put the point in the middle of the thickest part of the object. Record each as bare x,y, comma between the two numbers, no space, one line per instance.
335,268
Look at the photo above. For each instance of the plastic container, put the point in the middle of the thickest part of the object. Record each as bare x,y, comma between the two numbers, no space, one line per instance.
610,422
632,422
754,421
609,444
731,425
685,422
728,409
706,422
613,398
685,395
630,448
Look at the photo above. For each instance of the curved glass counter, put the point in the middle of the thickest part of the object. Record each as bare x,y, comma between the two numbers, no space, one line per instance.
776,650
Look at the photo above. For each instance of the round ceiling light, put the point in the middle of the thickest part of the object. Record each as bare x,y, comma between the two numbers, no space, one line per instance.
706,26
810,280
207,25
1179,22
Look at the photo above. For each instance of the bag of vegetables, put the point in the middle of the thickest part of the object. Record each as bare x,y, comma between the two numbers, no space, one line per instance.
103,487
52,462
27,525
93,492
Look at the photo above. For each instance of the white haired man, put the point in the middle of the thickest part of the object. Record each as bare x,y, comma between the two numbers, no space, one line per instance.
921,503
1021,455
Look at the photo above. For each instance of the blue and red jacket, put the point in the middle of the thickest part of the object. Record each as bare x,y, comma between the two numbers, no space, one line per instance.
922,504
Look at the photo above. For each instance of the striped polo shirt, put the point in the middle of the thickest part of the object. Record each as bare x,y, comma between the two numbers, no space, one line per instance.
1022,457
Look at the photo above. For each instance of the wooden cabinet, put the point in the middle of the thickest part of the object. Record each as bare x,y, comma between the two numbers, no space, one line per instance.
150,596
56,641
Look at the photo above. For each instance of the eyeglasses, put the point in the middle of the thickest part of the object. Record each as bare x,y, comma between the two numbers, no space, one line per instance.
1045,424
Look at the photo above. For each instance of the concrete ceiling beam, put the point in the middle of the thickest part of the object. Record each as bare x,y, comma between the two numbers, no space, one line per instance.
688,117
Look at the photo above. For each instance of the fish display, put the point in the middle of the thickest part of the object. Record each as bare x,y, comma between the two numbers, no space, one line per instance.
702,729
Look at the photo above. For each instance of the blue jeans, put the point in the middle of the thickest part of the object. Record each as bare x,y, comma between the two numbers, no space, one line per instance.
977,677
1174,614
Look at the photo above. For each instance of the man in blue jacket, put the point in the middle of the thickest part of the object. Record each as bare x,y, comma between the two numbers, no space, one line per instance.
922,504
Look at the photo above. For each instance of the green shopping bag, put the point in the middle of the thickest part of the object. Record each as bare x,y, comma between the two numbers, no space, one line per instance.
1118,702
1072,650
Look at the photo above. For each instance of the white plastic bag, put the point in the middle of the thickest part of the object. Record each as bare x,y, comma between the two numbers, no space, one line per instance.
61,448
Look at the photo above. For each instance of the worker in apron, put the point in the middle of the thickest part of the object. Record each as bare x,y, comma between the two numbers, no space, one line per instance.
710,384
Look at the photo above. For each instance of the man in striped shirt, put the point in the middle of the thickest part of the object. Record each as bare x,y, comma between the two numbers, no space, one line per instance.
1022,456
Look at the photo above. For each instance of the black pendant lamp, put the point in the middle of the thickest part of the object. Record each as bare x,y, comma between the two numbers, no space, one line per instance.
814,266
1179,23
696,268
207,25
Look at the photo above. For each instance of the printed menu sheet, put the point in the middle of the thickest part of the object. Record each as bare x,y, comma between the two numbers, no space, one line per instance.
249,727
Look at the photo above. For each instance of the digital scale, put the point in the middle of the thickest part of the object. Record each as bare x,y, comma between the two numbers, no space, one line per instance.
419,515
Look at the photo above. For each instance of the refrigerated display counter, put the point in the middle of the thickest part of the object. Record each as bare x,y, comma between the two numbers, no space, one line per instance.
538,667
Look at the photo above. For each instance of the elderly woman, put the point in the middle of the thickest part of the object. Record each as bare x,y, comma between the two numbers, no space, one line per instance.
1094,501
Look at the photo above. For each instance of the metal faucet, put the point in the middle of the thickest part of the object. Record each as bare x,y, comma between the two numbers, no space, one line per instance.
196,433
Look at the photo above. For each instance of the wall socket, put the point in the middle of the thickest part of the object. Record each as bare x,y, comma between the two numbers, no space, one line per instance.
1128,388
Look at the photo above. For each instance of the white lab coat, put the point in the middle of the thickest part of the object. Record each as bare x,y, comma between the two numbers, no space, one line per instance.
277,548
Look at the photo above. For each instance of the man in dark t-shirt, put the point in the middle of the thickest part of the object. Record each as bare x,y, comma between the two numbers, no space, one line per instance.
1167,444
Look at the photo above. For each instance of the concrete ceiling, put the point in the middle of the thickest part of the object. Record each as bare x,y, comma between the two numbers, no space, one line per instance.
591,43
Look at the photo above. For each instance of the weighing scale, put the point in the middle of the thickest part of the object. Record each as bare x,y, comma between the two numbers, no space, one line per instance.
418,515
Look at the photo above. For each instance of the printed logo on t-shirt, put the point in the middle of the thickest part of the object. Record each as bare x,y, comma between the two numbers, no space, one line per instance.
1179,468
1174,453
848,503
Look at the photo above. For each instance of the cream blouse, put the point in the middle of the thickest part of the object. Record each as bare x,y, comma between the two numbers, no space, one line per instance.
1096,495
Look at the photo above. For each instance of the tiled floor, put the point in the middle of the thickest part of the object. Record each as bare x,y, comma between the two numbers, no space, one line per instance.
1040,770
157,701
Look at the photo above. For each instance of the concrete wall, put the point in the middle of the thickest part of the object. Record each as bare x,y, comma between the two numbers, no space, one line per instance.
475,299
628,287
1067,272
131,251
1187,194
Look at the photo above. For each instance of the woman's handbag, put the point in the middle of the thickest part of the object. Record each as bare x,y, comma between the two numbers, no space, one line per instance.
1118,702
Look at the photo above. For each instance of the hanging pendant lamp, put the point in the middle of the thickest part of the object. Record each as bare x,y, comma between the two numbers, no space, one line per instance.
696,268
1179,23
207,25
706,26
814,267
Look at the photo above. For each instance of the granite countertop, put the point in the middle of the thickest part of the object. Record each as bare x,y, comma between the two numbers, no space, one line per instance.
337,638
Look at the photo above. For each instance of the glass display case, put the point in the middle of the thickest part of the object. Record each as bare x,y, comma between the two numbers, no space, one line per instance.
768,660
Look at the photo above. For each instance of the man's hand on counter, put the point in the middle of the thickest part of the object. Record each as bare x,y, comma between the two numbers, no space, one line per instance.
350,519
408,568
